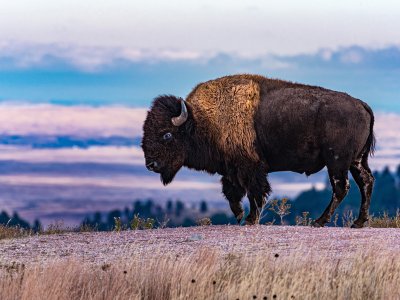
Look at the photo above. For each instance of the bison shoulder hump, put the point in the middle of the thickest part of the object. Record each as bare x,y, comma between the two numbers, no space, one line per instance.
225,108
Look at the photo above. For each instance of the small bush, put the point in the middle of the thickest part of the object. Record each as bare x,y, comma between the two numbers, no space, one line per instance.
163,223
304,220
87,228
7,232
117,224
141,223
56,228
385,221
135,223
148,224
281,208
348,218
204,222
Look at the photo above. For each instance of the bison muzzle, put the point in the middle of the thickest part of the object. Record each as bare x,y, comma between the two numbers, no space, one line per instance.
246,126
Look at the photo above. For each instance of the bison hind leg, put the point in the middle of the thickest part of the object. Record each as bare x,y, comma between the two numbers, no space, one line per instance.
365,180
340,187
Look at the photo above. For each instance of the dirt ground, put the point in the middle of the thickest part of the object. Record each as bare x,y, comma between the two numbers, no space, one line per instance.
107,247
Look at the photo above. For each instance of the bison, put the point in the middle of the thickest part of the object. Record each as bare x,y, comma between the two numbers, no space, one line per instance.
243,127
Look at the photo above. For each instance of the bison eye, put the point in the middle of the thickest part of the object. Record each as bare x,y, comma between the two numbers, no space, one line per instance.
167,136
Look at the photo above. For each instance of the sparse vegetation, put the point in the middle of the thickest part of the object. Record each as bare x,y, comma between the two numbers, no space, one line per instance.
148,223
117,224
348,218
148,212
57,227
135,222
385,221
304,219
280,207
335,220
87,228
163,223
141,223
204,222
9,232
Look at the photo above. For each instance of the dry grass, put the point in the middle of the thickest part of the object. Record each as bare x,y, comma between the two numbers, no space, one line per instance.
11,232
385,221
210,275
7,232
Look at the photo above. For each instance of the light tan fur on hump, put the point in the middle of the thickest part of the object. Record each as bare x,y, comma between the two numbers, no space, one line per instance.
224,110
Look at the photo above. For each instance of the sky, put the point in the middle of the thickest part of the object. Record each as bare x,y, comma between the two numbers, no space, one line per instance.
127,52
193,28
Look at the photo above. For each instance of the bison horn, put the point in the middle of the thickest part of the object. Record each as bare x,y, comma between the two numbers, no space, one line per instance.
178,121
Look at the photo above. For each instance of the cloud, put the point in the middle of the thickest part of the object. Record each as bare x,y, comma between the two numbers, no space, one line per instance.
17,55
46,119
131,182
325,54
387,130
85,58
352,56
101,155
349,57
94,59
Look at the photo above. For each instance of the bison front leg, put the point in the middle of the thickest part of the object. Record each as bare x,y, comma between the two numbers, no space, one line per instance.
234,194
258,189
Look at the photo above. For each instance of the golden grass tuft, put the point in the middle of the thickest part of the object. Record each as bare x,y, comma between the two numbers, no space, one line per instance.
210,275
9,232
385,221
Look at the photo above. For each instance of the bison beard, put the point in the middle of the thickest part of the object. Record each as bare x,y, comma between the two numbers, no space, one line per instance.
246,126
167,176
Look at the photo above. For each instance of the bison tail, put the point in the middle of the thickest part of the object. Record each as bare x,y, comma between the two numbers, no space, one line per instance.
371,141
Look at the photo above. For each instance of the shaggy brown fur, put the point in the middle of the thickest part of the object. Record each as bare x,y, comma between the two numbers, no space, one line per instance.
224,109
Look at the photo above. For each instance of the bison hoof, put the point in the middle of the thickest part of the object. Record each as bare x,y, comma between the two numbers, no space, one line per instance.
239,218
357,225
317,224
250,222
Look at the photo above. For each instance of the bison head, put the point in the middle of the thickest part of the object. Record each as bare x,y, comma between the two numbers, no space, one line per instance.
165,136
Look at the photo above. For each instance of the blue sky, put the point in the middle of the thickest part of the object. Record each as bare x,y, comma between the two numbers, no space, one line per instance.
371,75
127,52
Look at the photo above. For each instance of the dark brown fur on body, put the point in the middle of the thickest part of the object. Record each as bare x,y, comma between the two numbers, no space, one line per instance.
246,126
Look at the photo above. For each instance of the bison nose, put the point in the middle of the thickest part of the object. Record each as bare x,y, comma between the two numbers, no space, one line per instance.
151,166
